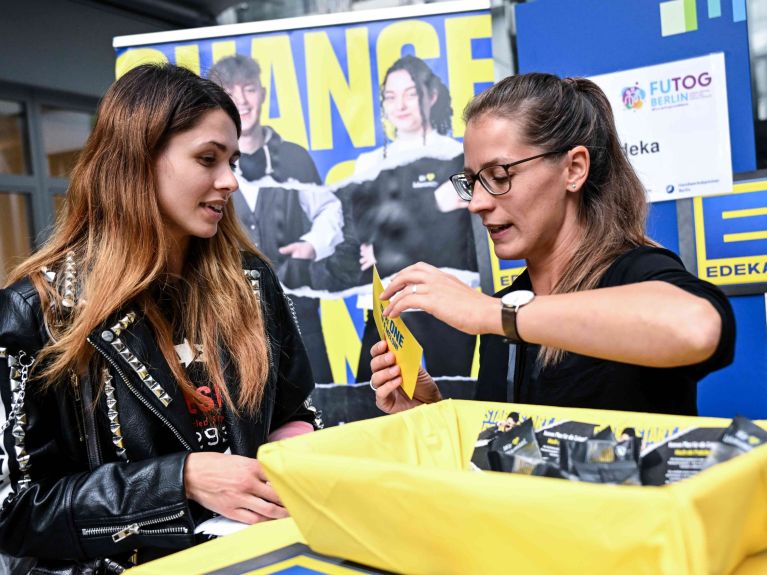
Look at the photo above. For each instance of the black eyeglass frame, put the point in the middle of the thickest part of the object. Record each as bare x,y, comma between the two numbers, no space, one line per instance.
457,179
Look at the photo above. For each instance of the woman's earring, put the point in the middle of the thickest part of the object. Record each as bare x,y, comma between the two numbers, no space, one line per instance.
573,186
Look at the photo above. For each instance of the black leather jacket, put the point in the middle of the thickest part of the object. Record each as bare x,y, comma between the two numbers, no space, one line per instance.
79,483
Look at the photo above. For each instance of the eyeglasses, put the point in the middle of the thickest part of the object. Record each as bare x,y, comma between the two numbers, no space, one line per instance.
495,179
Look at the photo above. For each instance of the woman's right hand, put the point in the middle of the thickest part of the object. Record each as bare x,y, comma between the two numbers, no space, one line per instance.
233,486
387,382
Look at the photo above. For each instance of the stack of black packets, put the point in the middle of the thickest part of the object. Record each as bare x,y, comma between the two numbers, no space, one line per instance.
582,452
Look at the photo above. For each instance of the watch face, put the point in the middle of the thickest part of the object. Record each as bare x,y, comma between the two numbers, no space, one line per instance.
517,298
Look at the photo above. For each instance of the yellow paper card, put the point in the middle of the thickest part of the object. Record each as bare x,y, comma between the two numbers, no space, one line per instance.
405,346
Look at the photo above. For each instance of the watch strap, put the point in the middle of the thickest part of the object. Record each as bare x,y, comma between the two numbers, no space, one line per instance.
509,323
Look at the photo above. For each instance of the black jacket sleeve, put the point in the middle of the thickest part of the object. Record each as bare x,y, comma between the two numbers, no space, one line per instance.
53,506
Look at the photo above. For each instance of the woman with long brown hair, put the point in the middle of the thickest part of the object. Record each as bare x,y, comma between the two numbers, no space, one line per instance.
602,317
147,348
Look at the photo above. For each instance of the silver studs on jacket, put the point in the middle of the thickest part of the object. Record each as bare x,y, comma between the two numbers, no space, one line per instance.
69,297
113,415
318,423
254,277
111,336
19,374
66,285
115,331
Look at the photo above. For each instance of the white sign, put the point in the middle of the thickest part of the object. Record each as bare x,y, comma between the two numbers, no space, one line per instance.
673,125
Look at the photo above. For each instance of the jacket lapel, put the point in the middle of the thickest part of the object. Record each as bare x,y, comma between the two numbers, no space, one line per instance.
130,346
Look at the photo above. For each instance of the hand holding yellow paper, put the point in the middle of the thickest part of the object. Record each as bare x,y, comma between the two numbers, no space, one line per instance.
401,342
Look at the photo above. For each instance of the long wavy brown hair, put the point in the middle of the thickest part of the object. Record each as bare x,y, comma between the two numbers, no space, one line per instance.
554,114
113,226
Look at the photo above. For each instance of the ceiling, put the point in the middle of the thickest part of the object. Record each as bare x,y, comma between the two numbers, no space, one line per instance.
176,13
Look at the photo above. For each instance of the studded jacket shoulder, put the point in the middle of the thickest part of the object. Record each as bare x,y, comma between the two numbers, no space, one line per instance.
63,501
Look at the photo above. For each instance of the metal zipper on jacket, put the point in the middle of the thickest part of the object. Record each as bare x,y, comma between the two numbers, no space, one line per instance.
120,532
140,397
269,347
75,383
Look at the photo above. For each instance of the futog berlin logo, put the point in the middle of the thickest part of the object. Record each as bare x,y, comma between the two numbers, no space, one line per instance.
668,92
633,97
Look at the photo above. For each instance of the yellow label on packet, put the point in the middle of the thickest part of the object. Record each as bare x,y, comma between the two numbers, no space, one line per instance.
401,342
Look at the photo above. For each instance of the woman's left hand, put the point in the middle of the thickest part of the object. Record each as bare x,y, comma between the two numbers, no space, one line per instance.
422,286
233,486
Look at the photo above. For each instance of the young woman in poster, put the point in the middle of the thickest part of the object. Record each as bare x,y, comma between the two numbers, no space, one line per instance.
403,209
147,349
603,317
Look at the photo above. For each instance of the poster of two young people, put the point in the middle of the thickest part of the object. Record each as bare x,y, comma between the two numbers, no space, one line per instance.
351,127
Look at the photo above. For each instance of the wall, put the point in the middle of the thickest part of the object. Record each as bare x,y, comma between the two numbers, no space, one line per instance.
63,45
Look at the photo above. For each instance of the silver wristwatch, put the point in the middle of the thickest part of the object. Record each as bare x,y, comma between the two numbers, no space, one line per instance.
510,304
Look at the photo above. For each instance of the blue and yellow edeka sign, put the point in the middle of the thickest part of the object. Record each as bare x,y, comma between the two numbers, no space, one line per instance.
731,235
504,271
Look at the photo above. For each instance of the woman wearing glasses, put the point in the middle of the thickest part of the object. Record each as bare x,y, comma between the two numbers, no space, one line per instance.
603,317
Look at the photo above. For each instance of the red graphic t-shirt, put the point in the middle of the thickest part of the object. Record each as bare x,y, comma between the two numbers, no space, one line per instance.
208,411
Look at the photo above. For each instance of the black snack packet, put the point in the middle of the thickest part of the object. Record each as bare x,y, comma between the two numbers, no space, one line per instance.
527,466
479,459
550,438
592,450
740,437
515,450
603,459
629,446
547,469
621,472
679,457
482,446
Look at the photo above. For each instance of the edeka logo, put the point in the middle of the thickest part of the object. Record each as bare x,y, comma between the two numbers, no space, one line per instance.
680,16
633,97
680,90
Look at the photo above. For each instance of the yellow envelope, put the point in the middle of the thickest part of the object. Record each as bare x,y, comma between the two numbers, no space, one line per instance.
405,346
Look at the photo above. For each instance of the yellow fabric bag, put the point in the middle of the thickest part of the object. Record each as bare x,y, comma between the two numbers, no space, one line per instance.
396,493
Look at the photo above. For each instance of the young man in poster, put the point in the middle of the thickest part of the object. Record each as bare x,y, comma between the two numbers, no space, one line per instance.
281,203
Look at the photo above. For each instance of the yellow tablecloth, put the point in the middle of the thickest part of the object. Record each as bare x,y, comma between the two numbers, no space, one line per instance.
395,493
265,537
250,542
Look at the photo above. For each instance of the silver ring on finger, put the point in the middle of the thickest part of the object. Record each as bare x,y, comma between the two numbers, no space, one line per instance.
372,386
414,288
